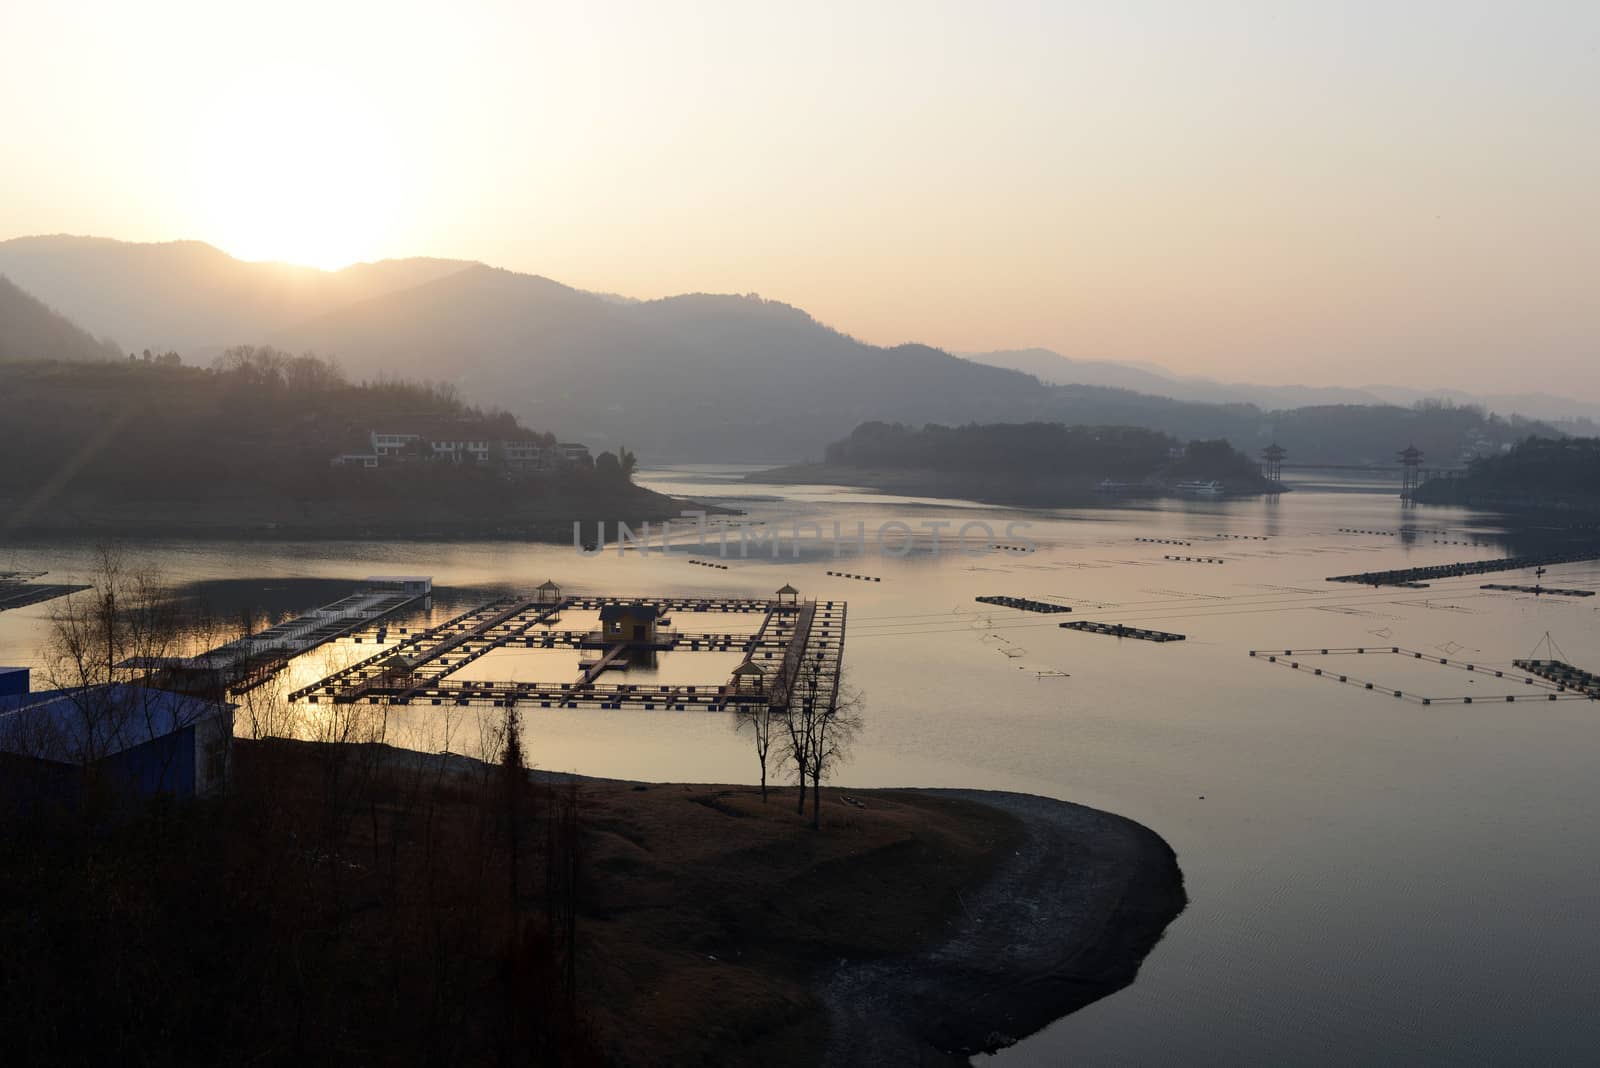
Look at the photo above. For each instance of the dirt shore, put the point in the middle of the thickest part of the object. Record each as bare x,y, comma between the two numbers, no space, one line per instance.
1065,920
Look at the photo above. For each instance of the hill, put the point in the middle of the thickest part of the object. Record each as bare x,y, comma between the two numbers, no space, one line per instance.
694,377
703,377
187,295
129,447
1537,475
31,331
1030,464
698,377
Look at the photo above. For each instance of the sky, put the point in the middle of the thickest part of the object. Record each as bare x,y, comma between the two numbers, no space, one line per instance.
1284,191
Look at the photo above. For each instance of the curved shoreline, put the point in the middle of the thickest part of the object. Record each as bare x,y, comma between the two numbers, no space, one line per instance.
1065,921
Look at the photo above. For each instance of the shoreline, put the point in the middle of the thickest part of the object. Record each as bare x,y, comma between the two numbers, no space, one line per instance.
1066,920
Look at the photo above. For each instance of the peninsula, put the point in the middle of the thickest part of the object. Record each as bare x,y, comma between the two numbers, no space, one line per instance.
1041,465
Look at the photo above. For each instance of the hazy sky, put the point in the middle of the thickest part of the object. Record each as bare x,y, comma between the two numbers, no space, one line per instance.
1404,191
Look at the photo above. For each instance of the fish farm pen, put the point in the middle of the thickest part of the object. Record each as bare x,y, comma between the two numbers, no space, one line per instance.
1564,675
1024,604
1465,568
1552,679
1553,592
1119,630
793,654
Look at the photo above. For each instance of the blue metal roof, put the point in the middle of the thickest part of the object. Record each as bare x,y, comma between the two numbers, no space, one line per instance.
83,724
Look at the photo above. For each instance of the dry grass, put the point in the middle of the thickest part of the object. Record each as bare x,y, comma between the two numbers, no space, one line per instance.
707,912
342,905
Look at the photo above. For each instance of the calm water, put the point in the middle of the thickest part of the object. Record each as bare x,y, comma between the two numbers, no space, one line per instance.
1371,880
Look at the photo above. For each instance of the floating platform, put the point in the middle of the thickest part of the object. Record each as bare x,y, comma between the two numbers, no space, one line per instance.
1553,592
1120,630
1024,604
18,590
1196,559
249,661
1465,568
1564,675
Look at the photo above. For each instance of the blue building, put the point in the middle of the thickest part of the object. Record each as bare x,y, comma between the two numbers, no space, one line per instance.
130,739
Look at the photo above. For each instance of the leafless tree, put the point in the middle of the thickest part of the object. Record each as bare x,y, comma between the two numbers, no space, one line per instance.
835,724
821,717
764,721
105,652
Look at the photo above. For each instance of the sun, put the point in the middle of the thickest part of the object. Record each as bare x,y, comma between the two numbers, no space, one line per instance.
302,177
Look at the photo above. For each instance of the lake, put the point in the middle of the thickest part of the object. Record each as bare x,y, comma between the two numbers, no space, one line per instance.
1371,879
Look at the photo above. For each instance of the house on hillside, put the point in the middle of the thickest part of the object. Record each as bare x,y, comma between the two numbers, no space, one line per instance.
459,447
125,739
572,454
526,452
462,442
391,444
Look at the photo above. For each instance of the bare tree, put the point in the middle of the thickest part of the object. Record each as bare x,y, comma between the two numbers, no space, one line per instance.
106,648
835,723
796,720
765,722
821,716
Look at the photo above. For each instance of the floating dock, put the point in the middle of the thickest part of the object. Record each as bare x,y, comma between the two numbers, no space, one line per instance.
1024,604
1553,592
1120,630
1464,568
18,590
1564,675
249,661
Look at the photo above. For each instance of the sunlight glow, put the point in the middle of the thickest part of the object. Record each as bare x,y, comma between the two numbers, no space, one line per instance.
301,175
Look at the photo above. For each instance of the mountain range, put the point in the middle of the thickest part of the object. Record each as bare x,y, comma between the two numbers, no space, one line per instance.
1053,367
695,377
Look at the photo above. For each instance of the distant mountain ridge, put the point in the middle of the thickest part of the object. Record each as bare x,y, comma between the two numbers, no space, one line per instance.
29,330
1053,367
699,377
187,295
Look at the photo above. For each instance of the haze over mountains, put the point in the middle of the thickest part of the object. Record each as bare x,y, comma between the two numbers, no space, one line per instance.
1053,367
31,331
187,295
688,378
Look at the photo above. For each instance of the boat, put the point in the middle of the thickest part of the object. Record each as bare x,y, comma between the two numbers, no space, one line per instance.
1200,489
